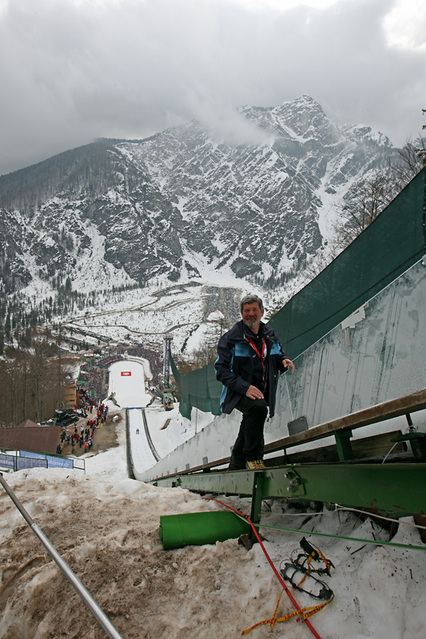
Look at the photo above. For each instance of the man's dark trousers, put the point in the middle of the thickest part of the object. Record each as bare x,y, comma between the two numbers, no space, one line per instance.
250,442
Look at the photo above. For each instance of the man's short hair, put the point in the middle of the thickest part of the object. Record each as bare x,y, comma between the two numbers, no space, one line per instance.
251,299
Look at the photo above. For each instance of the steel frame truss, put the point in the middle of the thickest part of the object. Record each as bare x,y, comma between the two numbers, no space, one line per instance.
394,489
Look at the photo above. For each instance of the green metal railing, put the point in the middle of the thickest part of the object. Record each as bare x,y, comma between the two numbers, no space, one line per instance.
394,489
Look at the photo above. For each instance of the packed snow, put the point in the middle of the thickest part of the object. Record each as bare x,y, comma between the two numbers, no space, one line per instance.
106,527
127,383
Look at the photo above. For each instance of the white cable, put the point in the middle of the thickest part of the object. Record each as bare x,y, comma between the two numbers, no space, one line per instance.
355,510
397,521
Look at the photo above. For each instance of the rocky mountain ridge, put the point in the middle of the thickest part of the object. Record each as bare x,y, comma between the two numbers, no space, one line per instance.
185,205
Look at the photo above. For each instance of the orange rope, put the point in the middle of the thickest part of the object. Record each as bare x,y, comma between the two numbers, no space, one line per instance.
309,611
299,612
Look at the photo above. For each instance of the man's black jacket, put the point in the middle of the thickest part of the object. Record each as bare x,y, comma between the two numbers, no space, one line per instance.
234,366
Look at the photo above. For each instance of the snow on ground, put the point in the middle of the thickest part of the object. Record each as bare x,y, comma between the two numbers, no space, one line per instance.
127,383
127,388
106,527
166,429
131,316
142,455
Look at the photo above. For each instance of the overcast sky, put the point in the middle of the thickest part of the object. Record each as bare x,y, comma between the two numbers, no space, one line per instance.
75,70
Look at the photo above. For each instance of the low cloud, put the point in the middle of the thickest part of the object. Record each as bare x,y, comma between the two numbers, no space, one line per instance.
74,71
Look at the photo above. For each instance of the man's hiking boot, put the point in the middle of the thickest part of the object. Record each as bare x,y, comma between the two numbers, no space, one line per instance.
255,464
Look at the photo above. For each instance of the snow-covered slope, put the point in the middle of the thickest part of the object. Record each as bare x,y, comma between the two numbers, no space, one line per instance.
106,528
247,211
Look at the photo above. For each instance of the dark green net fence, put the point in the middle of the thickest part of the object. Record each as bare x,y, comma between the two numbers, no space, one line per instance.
384,250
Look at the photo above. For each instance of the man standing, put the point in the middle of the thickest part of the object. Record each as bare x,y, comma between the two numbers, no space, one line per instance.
250,357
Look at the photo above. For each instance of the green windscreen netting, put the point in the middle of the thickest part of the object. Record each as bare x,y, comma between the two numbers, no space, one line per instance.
198,388
385,249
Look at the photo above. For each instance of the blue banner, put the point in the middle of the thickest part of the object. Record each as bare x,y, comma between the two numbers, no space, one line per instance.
30,462
7,461
51,461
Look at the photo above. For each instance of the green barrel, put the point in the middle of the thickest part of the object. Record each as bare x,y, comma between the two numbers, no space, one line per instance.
196,529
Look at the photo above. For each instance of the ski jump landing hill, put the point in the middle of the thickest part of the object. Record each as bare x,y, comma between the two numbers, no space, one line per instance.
127,385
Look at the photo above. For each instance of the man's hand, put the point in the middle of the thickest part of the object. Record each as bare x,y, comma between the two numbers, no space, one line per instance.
288,364
254,393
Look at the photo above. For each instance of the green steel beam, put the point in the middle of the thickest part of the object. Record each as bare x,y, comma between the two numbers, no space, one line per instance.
256,501
343,444
397,489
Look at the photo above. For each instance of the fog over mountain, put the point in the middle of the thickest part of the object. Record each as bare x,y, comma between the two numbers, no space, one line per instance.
251,208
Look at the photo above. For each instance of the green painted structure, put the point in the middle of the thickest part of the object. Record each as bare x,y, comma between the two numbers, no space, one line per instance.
394,489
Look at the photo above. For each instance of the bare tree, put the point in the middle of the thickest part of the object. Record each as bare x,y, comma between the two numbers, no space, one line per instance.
370,197
412,160
422,150
38,374
32,383
364,202
205,355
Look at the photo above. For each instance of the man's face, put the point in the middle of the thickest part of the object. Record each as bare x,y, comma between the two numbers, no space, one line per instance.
252,315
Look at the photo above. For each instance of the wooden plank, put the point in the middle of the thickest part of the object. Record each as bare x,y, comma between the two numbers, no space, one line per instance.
375,446
381,412
387,410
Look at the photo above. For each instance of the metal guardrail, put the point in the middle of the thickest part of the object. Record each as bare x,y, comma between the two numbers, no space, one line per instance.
25,459
63,566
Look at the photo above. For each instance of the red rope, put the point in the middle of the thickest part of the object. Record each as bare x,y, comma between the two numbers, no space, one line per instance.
280,579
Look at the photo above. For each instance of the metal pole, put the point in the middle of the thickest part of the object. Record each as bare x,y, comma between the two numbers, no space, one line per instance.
72,578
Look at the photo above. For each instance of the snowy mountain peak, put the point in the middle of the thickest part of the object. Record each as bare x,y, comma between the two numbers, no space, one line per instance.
249,202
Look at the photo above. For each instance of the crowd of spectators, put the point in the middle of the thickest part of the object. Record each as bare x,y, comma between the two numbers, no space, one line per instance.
94,370
81,436
154,358
94,375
